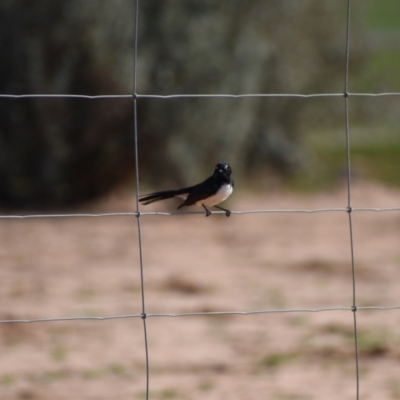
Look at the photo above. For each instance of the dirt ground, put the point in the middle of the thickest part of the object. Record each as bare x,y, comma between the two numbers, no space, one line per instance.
71,267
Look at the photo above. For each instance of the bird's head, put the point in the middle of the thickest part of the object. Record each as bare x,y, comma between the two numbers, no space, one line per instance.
223,168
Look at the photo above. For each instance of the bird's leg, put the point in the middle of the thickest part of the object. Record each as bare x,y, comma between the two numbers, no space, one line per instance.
227,212
208,212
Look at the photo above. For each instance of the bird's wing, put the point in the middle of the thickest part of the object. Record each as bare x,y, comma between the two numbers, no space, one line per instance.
201,191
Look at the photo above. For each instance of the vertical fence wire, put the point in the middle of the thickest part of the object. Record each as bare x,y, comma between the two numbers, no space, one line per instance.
137,181
349,202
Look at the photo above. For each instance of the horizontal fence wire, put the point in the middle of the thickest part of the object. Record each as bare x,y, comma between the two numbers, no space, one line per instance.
185,96
205,313
178,213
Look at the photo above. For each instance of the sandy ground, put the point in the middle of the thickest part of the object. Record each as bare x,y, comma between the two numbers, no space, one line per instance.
276,261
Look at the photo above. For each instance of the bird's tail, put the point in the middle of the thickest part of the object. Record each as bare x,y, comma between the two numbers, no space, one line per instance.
157,196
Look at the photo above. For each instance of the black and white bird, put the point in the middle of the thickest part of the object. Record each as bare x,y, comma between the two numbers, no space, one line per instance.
214,190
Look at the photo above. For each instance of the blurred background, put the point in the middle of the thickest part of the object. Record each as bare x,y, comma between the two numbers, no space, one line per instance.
286,154
62,152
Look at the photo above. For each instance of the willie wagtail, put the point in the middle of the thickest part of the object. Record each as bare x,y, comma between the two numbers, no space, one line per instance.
211,192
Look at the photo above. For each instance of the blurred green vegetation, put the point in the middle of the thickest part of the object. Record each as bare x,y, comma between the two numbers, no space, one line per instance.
383,14
374,159
374,127
382,68
62,152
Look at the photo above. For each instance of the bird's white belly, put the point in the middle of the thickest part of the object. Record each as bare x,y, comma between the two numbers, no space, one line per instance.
218,197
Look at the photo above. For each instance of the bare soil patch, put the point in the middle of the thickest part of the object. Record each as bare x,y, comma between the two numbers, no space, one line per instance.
272,261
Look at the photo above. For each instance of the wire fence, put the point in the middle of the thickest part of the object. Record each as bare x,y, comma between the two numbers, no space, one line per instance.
138,214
